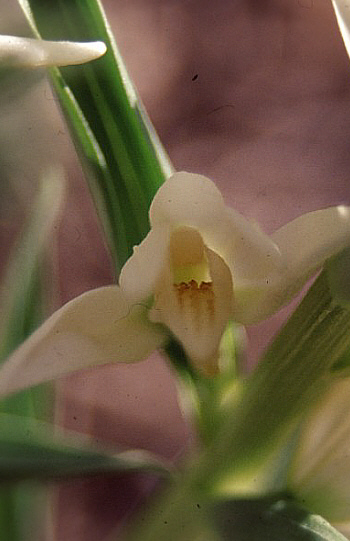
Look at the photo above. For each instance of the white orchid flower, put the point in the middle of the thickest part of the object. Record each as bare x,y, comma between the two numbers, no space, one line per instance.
201,265
320,472
33,53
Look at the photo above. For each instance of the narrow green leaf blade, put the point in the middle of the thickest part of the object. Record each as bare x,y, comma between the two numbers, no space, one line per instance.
22,304
31,449
115,139
20,290
290,376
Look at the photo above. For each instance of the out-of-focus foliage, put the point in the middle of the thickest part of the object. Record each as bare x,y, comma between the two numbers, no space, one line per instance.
123,158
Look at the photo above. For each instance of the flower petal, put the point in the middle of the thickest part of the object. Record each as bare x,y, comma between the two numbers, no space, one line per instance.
308,241
98,327
304,245
142,270
252,255
187,199
32,53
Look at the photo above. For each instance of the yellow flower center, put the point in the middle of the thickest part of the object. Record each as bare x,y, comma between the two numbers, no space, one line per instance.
193,297
187,257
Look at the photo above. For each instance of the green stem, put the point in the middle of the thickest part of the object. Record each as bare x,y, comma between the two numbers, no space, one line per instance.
289,378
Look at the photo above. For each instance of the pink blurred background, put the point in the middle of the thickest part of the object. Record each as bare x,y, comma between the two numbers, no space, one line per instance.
255,94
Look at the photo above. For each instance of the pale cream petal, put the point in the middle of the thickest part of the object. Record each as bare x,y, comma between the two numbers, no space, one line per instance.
96,328
187,199
304,245
308,241
141,272
32,53
249,252
256,301
255,264
190,200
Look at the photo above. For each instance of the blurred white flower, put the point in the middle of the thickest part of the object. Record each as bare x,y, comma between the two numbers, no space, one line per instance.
342,13
32,138
320,471
201,265
34,53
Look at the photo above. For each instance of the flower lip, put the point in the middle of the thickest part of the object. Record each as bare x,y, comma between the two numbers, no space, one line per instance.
194,297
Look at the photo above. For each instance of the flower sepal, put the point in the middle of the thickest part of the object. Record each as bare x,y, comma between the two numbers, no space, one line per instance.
18,52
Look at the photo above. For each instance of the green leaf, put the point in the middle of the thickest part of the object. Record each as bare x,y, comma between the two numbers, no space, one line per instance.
21,292
22,303
206,401
251,451
270,520
293,372
20,289
32,449
119,149
337,270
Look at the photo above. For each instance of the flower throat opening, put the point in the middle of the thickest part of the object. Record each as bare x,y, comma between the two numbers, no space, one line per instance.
188,259
191,278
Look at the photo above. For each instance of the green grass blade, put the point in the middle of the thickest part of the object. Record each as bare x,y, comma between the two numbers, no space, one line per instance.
120,151
20,290
32,449
22,302
289,377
